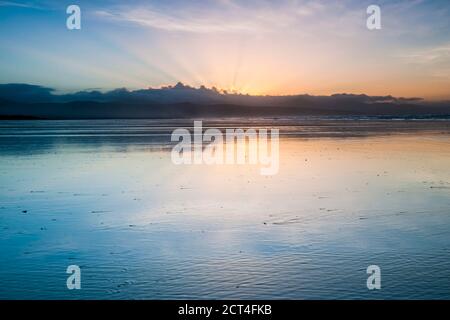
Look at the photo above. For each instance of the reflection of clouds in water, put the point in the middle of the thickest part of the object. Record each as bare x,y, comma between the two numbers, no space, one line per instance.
26,137
141,227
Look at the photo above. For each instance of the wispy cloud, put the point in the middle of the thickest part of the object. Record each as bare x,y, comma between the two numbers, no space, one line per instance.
158,20
432,61
17,4
225,16
437,54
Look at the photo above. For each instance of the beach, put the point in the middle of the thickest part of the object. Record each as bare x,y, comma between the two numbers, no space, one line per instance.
105,195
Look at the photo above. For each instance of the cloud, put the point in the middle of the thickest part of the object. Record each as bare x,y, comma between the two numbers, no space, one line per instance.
362,98
182,101
434,61
223,17
17,4
25,93
158,20
431,55
181,93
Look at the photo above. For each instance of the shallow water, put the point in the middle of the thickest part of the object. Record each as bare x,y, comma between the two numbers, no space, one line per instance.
106,196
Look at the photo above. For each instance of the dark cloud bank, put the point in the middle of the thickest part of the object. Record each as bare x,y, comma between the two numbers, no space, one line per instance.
180,101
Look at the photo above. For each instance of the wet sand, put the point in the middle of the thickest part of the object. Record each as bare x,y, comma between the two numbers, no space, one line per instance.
105,195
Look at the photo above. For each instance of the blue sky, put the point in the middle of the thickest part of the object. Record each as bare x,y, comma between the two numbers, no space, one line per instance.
257,47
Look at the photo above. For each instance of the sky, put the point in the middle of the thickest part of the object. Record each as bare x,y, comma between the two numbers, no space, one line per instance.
252,46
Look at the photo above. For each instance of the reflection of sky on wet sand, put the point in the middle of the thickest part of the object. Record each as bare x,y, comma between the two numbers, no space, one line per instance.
141,227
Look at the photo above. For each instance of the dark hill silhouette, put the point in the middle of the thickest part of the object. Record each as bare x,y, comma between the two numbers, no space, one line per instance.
181,101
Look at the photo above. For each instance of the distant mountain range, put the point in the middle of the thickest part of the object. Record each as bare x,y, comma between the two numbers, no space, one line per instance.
25,101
